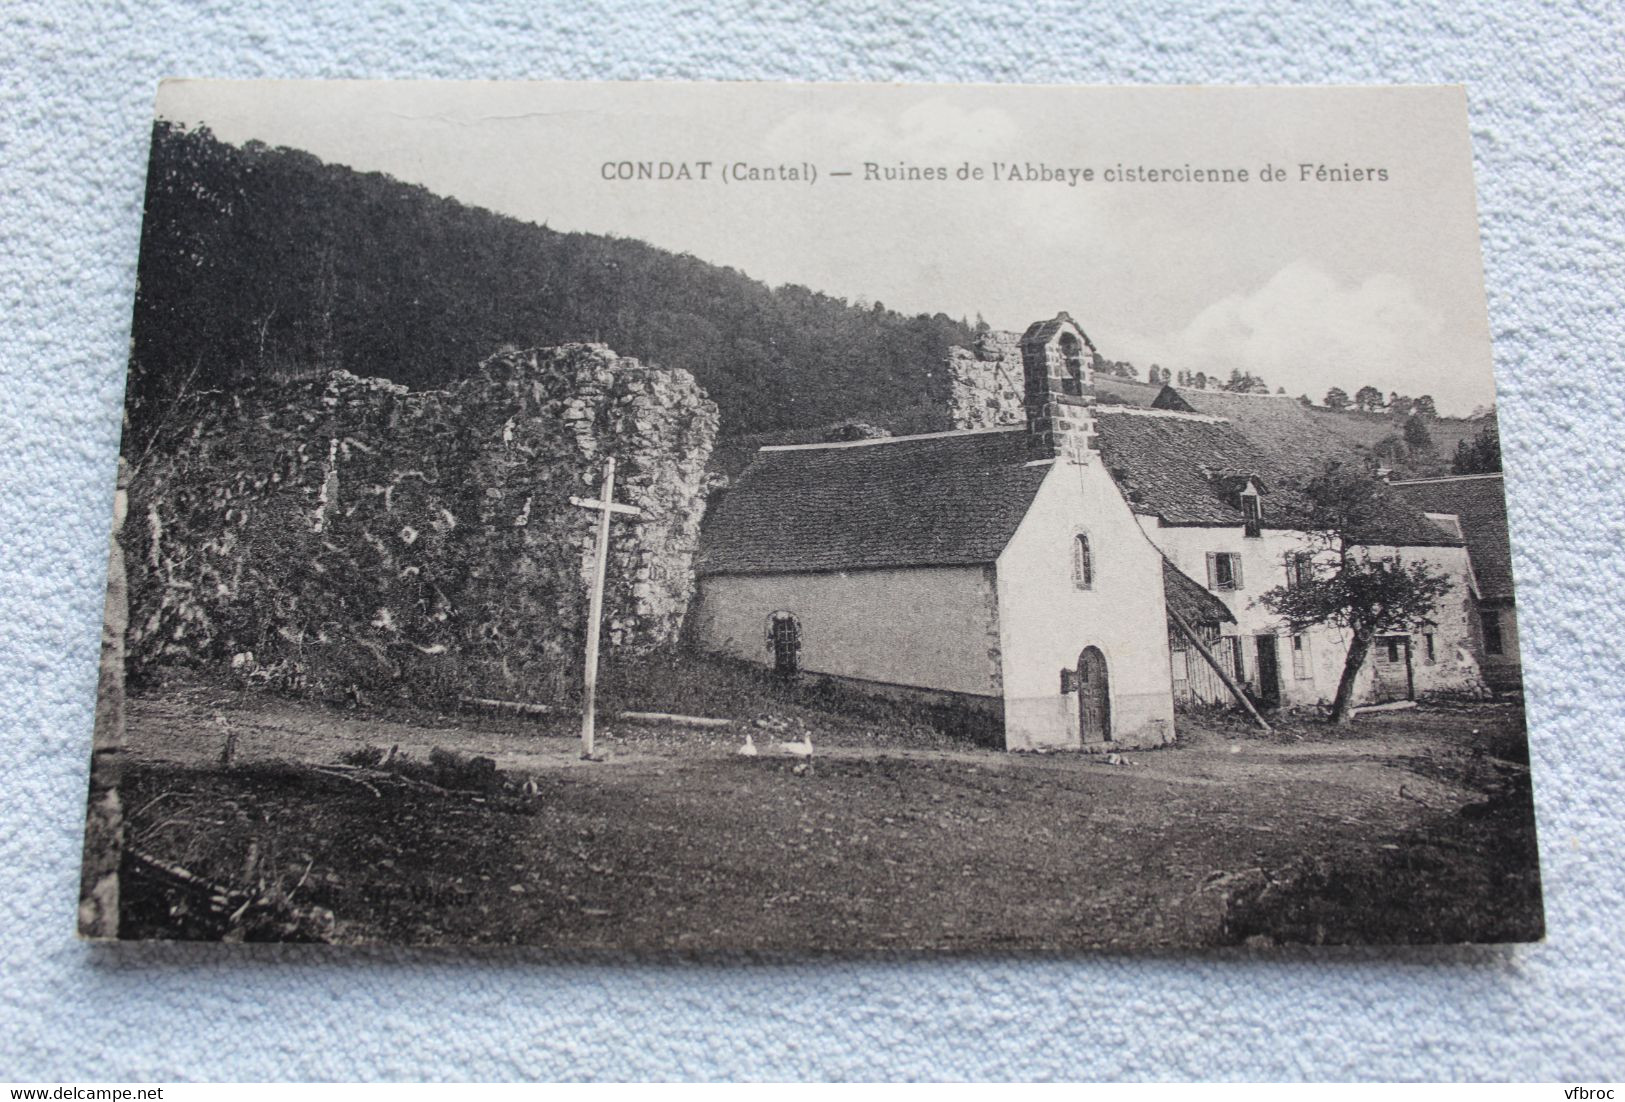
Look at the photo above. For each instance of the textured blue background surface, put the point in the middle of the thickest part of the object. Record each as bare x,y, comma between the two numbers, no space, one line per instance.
1546,96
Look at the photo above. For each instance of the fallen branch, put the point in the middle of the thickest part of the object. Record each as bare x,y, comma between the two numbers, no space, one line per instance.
144,808
518,707
216,898
675,720
383,776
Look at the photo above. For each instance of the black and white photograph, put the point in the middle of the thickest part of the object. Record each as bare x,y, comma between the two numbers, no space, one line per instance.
795,518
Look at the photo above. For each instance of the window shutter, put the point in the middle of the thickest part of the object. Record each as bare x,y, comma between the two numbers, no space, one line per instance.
1212,573
1235,571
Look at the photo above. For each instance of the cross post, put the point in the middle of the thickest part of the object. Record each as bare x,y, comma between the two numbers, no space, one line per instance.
605,505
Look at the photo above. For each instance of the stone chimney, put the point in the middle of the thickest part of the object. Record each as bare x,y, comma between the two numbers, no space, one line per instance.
1058,364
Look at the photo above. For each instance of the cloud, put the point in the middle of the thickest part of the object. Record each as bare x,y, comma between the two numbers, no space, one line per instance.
1306,331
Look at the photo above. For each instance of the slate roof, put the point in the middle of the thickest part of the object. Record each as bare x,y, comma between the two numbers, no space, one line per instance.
1161,460
939,500
1176,467
1042,332
1191,600
1294,436
1480,501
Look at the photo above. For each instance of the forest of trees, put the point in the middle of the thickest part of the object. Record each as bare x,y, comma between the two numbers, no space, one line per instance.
1368,399
261,264
1479,453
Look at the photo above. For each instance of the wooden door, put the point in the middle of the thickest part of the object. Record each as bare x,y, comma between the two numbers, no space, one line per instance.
1094,697
1269,672
1391,668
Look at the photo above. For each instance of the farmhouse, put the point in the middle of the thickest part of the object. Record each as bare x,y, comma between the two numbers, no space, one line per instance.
1474,507
1221,508
1066,567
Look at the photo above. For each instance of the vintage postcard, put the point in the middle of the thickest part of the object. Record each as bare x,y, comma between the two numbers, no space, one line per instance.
799,518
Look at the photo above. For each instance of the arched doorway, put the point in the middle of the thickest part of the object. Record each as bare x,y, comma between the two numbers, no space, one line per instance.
1094,697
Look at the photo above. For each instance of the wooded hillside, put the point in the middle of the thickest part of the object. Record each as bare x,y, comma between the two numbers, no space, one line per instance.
268,264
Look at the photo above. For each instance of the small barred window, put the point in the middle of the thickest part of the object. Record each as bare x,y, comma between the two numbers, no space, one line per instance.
1083,563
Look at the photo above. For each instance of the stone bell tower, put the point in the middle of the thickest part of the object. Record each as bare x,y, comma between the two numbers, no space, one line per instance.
1058,365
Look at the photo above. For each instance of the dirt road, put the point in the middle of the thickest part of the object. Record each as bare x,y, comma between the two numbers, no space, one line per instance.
679,843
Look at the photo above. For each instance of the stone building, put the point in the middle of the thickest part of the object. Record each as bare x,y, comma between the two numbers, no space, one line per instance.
1225,514
1474,507
1048,564
347,535
998,569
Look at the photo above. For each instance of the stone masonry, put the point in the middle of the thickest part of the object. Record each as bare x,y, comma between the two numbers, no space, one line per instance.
347,536
1042,378
985,382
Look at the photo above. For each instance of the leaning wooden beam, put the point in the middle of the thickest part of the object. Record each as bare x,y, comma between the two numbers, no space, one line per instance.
1201,648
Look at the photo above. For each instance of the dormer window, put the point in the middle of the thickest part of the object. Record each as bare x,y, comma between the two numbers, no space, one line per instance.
1244,493
1083,562
1252,513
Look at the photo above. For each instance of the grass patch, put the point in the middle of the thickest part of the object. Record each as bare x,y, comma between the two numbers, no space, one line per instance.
1471,875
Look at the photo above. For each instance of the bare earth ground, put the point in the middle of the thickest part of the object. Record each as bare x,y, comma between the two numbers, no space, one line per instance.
1411,827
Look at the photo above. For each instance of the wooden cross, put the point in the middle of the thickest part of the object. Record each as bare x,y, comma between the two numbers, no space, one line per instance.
605,504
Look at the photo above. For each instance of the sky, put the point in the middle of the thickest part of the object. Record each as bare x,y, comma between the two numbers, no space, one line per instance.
1310,282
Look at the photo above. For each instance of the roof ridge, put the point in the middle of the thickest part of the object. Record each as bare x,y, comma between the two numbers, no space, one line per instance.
1174,414
1227,393
887,439
1443,478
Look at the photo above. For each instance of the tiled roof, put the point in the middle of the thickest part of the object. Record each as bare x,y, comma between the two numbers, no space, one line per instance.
1176,467
939,500
1480,501
1165,462
1289,432
1190,600
1041,332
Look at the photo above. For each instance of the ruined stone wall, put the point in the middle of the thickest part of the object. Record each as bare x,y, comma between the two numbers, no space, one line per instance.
346,535
985,382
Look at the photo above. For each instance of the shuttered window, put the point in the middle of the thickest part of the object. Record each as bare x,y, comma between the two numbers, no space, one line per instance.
1300,569
1223,570
1301,668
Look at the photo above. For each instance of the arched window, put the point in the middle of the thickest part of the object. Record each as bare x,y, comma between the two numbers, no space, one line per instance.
1083,562
784,640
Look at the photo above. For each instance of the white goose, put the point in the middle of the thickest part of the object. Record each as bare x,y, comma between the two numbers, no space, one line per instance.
801,749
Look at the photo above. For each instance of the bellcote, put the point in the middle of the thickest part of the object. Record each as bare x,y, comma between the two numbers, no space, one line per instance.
1058,366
